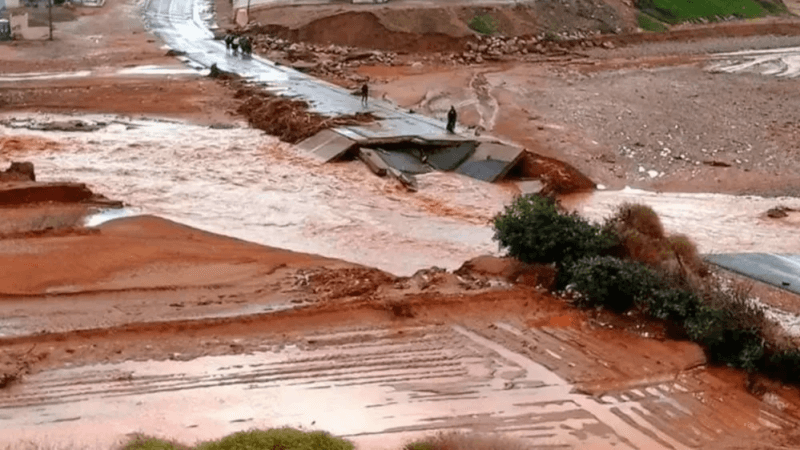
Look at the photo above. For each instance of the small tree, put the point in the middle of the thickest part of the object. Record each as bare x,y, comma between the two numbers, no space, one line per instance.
534,231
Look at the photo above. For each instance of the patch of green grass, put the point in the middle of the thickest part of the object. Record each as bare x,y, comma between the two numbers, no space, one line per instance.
278,439
465,441
484,24
648,23
272,439
677,11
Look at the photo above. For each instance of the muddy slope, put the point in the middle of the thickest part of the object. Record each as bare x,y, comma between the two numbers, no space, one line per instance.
431,29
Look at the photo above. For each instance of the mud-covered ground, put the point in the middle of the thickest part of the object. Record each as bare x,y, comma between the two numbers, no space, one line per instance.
105,328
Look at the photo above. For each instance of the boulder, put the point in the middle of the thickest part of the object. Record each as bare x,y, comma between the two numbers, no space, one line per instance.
19,171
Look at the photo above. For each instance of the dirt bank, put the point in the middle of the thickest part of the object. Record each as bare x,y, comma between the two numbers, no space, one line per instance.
431,28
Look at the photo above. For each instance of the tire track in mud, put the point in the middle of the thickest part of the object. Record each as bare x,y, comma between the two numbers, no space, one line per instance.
415,379
659,405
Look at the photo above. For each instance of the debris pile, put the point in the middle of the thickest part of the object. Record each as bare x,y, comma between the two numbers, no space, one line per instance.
336,61
331,60
332,284
289,120
496,47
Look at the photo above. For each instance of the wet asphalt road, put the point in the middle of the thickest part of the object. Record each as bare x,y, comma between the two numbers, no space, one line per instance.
183,26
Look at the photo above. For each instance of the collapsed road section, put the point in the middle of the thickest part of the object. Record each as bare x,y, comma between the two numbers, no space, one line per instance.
400,143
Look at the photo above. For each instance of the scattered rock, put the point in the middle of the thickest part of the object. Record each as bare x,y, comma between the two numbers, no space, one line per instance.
779,212
19,171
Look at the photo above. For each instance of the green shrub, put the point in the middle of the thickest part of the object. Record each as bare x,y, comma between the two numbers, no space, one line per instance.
785,365
648,23
484,24
534,231
727,338
613,283
278,439
671,304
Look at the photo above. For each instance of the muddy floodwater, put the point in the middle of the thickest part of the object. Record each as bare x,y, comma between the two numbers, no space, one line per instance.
241,183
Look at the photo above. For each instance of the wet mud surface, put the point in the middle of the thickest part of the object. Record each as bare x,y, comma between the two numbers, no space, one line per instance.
403,381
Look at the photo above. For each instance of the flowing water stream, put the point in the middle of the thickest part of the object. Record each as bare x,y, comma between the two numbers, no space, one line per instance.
241,183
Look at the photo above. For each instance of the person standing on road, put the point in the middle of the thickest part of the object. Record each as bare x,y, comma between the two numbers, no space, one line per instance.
451,120
364,94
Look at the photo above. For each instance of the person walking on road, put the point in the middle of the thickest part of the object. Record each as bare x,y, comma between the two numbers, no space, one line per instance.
364,94
451,120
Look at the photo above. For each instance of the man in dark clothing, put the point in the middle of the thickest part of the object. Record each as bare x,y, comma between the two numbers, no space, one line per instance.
235,44
244,43
451,120
364,94
228,41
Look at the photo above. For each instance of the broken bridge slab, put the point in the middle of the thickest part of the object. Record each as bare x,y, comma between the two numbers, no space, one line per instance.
491,161
327,145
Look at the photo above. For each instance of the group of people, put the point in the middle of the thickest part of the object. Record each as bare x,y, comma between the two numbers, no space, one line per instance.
236,43
452,115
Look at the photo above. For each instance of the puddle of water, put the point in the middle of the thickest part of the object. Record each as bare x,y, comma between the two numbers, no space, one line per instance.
158,70
104,216
45,76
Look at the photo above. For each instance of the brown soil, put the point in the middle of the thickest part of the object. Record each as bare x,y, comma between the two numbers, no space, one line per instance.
199,100
354,29
289,120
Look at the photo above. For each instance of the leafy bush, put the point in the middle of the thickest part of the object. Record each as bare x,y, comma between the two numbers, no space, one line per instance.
484,24
648,23
613,283
784,364
672,304
727,336
534,231
278,438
